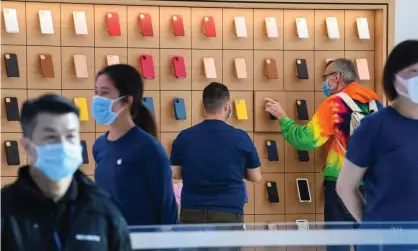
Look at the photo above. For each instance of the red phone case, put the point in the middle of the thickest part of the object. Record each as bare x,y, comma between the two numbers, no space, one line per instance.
209,26
178,26
147,66
179,67
113,26
145,24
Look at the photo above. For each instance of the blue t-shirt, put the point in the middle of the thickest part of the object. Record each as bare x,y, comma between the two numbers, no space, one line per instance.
387,144
135,171
214,157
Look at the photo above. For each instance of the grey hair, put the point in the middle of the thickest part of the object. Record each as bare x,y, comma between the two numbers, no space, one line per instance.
346,68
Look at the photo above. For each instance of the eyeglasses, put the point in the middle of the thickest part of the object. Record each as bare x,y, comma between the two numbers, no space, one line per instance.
324,77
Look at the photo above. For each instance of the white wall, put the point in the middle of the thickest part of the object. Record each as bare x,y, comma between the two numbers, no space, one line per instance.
406,20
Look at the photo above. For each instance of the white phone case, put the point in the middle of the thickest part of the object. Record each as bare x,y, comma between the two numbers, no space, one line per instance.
240,26
271,27
210,69
80,23
46,22
10,20
112,59
302,224
332,27
80,64
363,28
302,27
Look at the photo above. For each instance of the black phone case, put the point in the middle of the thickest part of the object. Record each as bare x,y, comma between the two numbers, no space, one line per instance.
304,192
12,66
272,153
12,153
302,109
85,152
179,109
272,192
302,69
12,109
303,156
149,103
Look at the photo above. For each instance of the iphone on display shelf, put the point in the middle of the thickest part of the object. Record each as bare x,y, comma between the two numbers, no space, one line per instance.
46,22
304,192
11,22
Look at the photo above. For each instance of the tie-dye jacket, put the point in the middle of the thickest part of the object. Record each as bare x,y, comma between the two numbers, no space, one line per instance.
331,120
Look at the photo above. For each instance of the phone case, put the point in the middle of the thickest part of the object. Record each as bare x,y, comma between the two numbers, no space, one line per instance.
12,153
80,66
47,66
240,27
12,109
149,104
302,224
81,103
179,109
302,69
245,192
302,109
332,27
303,190
302,27
12,65
46,22
272,153
179,67
271,27
112,59
272,226
270,69
209,27
240,68
145,25
147,66
209,67
303,156
241,109
80,23
363,69
85,152
272,192
178,26
113,25
11,22
363,28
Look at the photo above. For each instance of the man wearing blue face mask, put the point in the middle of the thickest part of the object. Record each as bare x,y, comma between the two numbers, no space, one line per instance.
53,205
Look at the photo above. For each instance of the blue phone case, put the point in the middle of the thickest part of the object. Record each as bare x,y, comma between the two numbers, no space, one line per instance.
245,192
149,103
179,109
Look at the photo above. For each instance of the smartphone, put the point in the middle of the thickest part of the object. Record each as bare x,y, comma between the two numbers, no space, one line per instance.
147,66
332,28
302,27
81,103
179,109
209,27
47,66
210,69
240,27
241,109
362,69
178,26
240,68
270,69
12,153
304,192
85,152
12,65
302,69
113,25
363,28
303,156
179,67
46,22
149,103
271,27
80,23
272,192
80,65
272,153
302,224
302,109
11,22
12,109
145,25
112,59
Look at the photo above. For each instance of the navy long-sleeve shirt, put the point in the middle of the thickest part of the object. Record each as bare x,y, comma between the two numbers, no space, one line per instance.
135,171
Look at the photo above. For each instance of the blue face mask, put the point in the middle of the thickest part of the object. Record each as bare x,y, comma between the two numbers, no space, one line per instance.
60,160
101,109
326,89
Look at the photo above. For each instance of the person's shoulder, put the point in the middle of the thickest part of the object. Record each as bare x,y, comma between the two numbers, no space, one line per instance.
380,115
99,142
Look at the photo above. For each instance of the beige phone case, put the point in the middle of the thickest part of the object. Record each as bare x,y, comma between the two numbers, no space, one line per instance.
240,68
112,59
80,65
209,67
363,69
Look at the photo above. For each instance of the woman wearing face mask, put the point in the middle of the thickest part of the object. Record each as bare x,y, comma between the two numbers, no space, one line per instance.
131,165
383,151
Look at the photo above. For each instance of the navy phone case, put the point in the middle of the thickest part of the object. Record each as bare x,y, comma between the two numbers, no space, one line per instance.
272,153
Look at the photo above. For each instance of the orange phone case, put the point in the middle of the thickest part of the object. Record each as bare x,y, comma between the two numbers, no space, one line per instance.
270,69
47,66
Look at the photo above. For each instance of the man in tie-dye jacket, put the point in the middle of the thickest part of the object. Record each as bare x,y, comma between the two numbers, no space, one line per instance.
331,122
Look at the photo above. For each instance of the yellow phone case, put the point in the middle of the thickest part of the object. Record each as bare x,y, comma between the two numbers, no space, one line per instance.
241,109
81,103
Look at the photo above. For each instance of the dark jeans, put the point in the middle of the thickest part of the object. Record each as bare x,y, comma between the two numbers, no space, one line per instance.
335,212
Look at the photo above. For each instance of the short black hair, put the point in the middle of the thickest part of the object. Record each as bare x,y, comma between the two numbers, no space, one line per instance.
47,103
402,56
215,95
